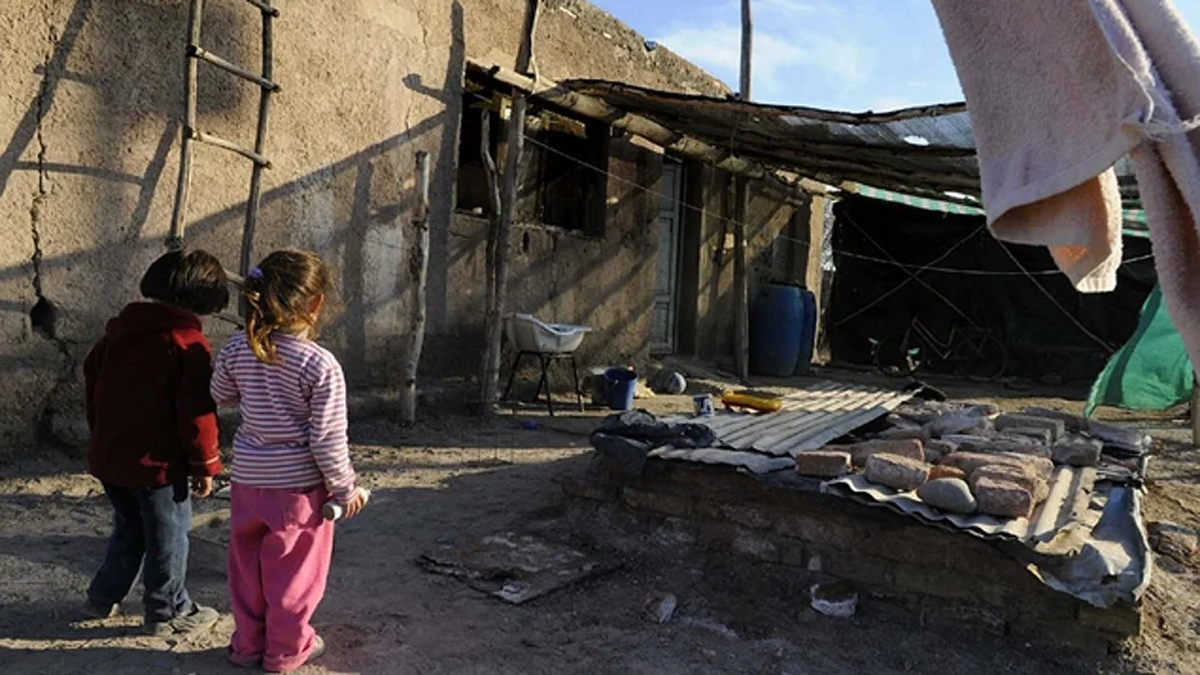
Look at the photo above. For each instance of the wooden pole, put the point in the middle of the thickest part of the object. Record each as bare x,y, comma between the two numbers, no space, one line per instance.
418,265
498,265
184,185
741,291
1195,413
260,142
494,204
747,49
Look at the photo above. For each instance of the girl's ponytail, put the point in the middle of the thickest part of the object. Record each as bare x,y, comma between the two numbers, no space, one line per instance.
258,328
278,296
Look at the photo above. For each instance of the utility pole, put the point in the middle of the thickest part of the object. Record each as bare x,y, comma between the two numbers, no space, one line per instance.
741,291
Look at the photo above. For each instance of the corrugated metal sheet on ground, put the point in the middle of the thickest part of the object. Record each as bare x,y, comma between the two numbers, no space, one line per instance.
810,418
1058,526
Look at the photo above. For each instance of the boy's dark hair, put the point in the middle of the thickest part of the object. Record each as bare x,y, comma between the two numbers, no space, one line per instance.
191,280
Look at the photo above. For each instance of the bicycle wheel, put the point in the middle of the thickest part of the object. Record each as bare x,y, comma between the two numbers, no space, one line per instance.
896,357
982,360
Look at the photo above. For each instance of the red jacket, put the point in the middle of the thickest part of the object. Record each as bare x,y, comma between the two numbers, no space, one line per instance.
151,417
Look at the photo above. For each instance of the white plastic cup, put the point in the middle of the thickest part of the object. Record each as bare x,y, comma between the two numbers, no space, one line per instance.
334,511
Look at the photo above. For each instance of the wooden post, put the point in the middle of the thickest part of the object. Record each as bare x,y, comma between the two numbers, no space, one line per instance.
814,274
747,49
497,265
494,201
741,291
1195,413
418,265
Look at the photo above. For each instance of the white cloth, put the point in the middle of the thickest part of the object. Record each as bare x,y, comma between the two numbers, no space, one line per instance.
1058,92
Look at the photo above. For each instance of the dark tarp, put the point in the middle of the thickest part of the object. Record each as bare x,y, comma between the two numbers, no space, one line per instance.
1040,339
627,438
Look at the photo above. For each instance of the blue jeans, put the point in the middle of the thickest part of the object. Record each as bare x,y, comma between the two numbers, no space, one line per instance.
150,534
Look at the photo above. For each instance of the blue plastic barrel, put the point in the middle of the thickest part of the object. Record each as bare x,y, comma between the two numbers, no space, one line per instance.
808,330
775,322
622,383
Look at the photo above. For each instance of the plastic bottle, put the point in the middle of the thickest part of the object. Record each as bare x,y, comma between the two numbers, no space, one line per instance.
334,511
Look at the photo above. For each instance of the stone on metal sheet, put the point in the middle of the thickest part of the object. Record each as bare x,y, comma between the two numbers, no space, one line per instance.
897,471
985,409
903,433
1011,444
1077,451
1118,438
1041,435
965,421
970,461
965,439
1072,422
1025,476
823,463
1056,427
943,471
936,449
859,452
948,494
1005,499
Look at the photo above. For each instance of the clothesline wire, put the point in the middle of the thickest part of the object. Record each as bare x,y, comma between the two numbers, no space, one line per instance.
705,212
1049,296
950,270
912,276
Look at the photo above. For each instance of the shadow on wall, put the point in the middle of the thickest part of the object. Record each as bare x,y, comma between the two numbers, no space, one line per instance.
125,46
103,83
138,75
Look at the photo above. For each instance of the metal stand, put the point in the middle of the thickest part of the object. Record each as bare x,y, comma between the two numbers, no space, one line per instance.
545,359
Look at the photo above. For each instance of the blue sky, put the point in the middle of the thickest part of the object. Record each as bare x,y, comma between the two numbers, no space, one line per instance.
838,54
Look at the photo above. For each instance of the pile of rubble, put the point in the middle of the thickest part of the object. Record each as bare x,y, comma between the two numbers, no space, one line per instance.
970,459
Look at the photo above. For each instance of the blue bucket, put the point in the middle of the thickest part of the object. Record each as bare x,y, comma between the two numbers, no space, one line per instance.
622,384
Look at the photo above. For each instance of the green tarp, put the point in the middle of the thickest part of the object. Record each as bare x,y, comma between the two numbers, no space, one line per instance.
1152,371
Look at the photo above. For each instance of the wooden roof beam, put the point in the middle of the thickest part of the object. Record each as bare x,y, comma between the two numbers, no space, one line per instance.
597,108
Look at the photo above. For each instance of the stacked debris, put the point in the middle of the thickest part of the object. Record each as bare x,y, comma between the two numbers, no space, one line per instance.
967,459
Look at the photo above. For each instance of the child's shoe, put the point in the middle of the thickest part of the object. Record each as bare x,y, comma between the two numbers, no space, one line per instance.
200,618
318,650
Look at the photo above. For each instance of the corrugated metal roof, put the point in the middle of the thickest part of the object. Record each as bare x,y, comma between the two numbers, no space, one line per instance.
926,151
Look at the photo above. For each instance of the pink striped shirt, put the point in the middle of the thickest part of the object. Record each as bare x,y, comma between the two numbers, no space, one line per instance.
293,431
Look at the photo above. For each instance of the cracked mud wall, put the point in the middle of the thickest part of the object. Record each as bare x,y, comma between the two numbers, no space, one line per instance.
90,113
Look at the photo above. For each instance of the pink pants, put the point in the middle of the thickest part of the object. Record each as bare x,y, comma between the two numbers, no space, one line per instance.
279,553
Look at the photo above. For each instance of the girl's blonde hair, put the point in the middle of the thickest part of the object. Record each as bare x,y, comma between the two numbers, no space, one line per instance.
279,294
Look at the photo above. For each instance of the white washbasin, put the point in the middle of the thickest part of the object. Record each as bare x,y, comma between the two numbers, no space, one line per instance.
530,334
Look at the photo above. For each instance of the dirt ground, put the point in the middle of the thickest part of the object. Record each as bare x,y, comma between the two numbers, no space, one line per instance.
453,479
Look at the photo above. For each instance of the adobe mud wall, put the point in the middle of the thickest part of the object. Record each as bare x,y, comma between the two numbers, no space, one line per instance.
90,124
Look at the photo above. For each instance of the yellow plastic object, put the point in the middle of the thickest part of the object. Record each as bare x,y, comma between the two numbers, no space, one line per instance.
755,403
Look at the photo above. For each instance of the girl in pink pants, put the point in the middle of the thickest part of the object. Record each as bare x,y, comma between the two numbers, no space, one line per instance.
290,456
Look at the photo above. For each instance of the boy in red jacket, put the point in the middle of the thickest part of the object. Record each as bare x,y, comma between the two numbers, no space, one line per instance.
153,425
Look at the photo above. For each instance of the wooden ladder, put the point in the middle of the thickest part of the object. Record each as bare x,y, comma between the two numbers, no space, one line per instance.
267,87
